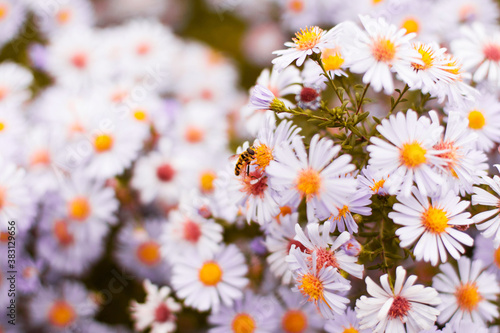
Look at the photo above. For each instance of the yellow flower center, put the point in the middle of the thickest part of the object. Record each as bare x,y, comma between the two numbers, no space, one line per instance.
2,126
263,156
61,314
383,50
435,220
207,181
294,321
411,25
64,16
377,185
79,208
412,154
454,68
210,273
376,1
342,213
496,257
149,253
332,59
427,57
468,296
476,120
309,183
308,38
140,115
311,286
243,323
350,329
103,143
284,210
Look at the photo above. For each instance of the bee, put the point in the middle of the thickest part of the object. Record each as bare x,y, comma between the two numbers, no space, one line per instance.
244,160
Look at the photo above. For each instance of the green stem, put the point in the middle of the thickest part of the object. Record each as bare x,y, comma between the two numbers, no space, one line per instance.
406,88
362,98
348,91
334,87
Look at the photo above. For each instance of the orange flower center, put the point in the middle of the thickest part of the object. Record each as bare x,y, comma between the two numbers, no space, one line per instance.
294,321
61,314
412,154
383,50
476,120
243,323
468,296
309,183
149,253
194,134
434,220
103,143
79,208
210,273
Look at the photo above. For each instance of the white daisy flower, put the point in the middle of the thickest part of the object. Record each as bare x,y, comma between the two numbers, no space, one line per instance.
253,313
464,164
12,15
484,119
358,203
431,225
470,295
200,128
13,128
61,243
115,145
433,67
65,15
76,58
320,245
488,221
320,286
410,156
370,181
456,90
298,316
58,309
43,148
479,50
316,177
279,239
381,50
161,174
157,312
15,201
138,250
466,13
90,204
286,82
186,231
306,42
205,280
149,45
346,323
404,307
